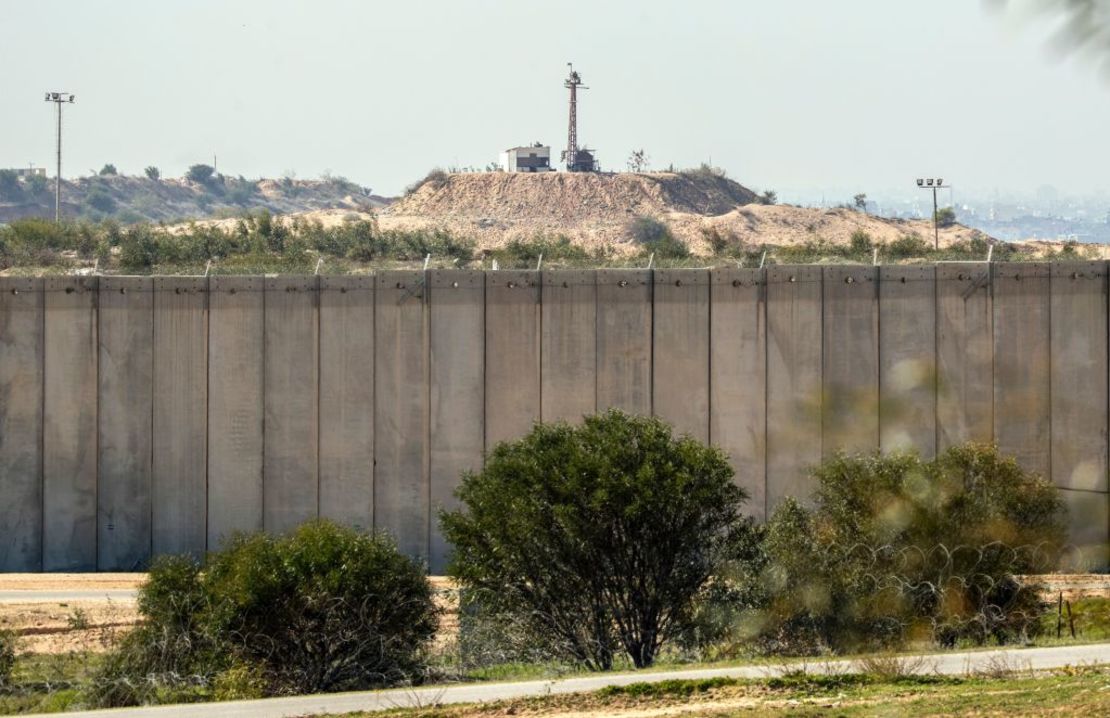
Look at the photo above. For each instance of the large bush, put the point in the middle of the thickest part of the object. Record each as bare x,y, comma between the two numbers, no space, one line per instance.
898,548
324,609
599,537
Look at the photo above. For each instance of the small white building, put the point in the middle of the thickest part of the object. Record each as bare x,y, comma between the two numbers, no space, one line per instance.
536,158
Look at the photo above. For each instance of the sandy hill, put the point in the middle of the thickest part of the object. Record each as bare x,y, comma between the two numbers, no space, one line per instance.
594,209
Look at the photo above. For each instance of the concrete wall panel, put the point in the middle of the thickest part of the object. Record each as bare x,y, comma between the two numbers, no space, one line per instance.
907,359
401,501
680,341
69,424
794,351
1079,376
512,354
624,321
965,349
1022,386
236,357
290,494
738,378
180,467
21,346
347,400
125,423
457,392
850,374
568,357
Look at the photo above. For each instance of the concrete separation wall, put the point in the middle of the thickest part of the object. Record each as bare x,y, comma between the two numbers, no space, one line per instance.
141,416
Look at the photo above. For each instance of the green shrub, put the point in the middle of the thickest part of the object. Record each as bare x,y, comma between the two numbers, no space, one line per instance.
553,248
599,537
655,237
7,657
108,170
10,188
36,185
946,217
860,243
153,173
138,249
200,173
436,178
908,245
324,609
897,548
100,199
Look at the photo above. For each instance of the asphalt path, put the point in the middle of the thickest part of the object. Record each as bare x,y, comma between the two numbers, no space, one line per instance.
17,595
953,663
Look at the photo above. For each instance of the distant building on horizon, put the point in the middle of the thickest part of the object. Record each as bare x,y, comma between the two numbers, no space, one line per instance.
27,171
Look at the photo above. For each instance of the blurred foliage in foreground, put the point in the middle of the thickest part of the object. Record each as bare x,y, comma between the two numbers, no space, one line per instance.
896,550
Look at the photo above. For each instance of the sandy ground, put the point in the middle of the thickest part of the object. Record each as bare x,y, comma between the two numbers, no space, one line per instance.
57,626
85,624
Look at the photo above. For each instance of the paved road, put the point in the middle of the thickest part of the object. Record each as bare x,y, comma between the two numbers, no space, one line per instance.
17,595
945,663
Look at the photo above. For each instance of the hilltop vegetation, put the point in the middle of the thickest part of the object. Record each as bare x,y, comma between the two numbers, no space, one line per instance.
202,193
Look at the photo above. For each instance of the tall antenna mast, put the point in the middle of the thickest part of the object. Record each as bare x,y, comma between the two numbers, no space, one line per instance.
570,154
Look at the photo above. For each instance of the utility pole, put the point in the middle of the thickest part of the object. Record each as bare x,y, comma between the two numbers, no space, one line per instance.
58,98
934,184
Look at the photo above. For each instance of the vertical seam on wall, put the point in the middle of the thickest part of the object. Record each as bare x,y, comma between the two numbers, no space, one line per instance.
762,278
207,402
94,302
709,356
262,508
994,358
42,429
1048,349
821,383
426,349
936,359
150,456
485,367
319,312
596,280
878,358
651,345
537,316
374,402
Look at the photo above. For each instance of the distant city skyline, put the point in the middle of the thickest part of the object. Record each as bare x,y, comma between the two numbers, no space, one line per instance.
815,96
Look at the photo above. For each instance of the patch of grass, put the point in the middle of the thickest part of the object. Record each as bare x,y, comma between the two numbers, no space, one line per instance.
1067,692
676,688
1092,622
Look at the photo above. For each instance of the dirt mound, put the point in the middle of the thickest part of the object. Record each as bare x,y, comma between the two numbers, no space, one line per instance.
597,210
568,197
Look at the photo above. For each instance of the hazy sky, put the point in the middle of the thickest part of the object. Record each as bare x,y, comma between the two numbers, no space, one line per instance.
791,94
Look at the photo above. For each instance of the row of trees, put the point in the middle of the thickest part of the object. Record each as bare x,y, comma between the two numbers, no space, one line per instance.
605,542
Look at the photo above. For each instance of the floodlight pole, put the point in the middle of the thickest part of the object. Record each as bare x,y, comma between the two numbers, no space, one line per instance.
934,185
58,98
